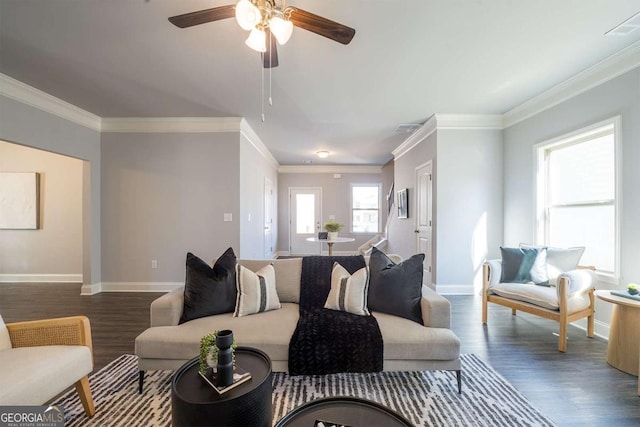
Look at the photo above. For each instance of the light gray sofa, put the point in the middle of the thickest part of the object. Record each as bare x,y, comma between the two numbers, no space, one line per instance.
408,346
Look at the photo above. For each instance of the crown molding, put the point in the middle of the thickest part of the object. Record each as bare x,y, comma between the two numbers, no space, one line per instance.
415,138
171,124
329,169
247,131
605,70
469,121
29,95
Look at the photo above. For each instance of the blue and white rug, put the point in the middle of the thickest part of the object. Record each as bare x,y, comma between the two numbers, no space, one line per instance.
428,398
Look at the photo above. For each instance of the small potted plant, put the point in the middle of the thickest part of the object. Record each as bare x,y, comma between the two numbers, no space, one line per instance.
333,227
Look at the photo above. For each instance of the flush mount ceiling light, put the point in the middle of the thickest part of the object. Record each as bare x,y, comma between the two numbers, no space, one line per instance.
322,154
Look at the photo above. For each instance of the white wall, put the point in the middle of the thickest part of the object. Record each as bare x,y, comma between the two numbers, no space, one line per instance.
336,200
163,195
620,96
29,126
469,206
254,168
54,251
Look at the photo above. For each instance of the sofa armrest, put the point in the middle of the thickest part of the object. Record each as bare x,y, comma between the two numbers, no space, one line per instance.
576,281
436,309
495,271
75,330
167,309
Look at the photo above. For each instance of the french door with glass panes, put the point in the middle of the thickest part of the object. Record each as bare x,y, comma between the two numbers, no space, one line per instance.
304,219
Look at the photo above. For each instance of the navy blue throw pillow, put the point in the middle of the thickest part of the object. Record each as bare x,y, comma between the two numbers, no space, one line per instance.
396,288
209,291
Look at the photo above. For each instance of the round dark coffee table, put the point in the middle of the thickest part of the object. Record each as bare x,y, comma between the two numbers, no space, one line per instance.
343,410
196,403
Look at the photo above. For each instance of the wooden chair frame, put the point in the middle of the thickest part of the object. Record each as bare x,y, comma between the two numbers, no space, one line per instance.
74,330
561,316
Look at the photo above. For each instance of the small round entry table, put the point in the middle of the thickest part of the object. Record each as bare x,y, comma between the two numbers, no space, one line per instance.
623,350
196,403
331,242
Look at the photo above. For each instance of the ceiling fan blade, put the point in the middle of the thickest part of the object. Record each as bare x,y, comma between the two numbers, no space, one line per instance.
319,25
270,57
203,16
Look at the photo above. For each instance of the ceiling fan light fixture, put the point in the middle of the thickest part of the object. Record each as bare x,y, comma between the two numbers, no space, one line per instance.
322,154
247,15
257,40
281,29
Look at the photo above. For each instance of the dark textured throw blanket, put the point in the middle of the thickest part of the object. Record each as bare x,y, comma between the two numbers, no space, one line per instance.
328,341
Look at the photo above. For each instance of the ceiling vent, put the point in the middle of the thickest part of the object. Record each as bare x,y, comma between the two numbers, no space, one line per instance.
407,128
625,28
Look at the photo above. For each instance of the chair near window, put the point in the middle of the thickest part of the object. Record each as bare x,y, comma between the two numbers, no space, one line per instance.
565,296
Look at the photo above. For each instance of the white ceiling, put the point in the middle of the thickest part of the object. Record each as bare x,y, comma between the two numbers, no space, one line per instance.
408,60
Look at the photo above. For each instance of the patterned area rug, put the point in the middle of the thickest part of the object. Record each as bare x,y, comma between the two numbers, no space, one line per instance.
428,398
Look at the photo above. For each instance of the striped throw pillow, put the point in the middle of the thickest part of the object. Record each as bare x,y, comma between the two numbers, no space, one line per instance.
348,292
256,291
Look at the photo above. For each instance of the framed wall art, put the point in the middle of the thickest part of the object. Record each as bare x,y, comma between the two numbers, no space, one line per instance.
403,203
19,200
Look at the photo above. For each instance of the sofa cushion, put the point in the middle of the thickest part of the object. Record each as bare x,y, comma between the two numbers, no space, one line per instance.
407,340
5,340
560,260
34,375
207,290
348,292
256,291
269,331
523,265
287,276
396,288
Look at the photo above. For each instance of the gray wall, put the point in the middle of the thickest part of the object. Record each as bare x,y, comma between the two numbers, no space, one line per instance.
336,200
254,169
620,96
56,247
402,239
29,126
165,195
469,205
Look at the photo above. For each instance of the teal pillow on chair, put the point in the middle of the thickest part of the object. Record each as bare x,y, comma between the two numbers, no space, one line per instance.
523,265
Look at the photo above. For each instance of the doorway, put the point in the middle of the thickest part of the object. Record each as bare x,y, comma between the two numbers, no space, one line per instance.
304,219
424,219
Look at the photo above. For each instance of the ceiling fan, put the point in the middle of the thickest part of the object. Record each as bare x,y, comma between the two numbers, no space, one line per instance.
266,18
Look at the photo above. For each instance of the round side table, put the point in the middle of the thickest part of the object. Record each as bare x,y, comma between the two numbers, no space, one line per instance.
196,403
623,349
343,410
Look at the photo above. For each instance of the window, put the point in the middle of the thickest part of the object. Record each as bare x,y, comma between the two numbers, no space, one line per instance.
365,208
576,192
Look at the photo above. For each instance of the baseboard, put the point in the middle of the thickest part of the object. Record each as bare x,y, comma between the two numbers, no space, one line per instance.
91,289
40,278
601,329
139,286
467,289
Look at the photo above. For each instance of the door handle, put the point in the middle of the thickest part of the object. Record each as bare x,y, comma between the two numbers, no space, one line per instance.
416,231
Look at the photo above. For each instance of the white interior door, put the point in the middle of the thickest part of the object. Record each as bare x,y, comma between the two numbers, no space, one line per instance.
268,218
424,219
304,220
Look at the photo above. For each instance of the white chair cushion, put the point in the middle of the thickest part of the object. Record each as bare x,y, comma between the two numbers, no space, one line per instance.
34,375
5,340
542,296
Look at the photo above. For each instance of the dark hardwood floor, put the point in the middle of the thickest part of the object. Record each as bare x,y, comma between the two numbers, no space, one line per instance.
576,388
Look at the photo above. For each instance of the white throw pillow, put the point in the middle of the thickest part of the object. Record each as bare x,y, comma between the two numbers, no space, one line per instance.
256,291
5,340
560,260
348,292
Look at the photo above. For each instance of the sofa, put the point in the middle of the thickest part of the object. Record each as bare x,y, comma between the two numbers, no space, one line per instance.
408,345
40,359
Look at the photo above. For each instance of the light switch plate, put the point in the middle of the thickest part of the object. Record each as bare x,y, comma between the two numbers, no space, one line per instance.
228,217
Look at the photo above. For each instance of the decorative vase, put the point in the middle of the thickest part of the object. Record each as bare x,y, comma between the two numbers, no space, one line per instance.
224,340
333,235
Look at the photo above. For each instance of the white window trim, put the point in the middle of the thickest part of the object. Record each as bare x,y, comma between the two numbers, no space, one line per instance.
539,181
365,184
